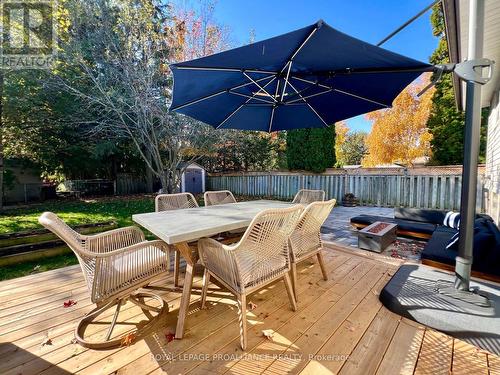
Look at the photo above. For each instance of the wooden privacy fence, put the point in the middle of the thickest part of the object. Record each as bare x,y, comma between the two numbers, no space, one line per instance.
419,191
127,183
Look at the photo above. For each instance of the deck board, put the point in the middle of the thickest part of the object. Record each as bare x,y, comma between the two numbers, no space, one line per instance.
339,327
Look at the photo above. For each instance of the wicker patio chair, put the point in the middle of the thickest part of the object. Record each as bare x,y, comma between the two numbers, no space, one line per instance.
259,258
115,265
305,240
305,196
214,198
169,202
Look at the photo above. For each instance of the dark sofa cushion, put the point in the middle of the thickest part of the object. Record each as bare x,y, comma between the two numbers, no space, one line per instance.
436,250
486,253
370,219
421,215
403,225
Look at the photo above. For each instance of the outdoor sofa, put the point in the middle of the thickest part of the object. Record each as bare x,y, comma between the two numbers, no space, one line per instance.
428,224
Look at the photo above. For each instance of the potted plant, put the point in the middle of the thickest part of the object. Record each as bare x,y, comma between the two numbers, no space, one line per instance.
350,200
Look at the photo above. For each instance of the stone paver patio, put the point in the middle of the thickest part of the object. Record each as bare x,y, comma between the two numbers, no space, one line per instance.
338,229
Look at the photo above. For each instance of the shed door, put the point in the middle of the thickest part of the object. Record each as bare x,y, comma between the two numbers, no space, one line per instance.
193,179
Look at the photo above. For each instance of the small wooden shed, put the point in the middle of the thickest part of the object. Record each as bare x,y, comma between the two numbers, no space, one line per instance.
22,182
193,178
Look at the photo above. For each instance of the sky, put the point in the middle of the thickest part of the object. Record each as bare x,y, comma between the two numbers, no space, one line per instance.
369,20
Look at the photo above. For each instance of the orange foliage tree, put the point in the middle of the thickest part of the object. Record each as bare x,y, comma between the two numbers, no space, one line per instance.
399,134
341,130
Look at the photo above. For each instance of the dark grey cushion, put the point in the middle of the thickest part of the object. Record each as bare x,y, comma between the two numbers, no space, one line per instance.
435,249
486,254
422,215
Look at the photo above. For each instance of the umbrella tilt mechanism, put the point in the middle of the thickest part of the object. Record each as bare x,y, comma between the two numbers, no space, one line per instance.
469,70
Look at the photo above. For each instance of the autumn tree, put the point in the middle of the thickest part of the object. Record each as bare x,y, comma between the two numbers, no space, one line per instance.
194,33
124,61
400,134
341,130
350,146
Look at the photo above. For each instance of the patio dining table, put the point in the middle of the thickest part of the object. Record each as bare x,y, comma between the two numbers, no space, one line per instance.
179,228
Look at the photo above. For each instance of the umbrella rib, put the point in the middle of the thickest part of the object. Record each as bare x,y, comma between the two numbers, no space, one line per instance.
241,106
361,97
340,91
248,96
304,43
290,61
259,86
295,95
350,71
309,105
309,96
271,120
220,92
223,69
286,80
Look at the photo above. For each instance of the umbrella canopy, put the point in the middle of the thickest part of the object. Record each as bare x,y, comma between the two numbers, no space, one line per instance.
308,78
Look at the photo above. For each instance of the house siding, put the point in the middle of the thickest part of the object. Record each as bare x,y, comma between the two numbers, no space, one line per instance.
492,174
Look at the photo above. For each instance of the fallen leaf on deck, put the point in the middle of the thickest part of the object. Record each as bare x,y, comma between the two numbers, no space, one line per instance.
251,305
46,341
69,303
268,333
170,336
128,339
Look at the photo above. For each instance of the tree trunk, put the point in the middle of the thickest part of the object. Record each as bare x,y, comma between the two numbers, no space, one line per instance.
164,183
170,181
149,175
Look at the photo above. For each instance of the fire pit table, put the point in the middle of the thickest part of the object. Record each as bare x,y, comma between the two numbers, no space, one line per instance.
377,236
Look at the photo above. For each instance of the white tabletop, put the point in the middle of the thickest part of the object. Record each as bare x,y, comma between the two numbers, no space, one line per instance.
193,223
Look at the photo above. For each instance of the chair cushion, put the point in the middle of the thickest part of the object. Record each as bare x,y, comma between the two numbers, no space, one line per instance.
123,262
420,215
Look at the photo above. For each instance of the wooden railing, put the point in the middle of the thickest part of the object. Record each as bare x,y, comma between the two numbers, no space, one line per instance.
440,191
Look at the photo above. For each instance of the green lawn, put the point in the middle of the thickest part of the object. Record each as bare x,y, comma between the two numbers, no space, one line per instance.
77,212
74,212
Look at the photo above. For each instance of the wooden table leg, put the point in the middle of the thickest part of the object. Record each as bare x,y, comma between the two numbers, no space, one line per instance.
191,259
186,298
177,260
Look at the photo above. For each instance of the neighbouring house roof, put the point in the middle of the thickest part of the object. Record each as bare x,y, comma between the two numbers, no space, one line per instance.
352,166
189,165
420,161
456,14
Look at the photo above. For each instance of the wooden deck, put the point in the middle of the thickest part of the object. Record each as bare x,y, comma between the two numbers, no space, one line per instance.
339,327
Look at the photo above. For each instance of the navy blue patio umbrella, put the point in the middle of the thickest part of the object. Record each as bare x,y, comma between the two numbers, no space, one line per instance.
308,78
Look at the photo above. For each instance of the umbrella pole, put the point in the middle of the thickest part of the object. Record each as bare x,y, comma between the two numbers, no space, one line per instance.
461,288
471,151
